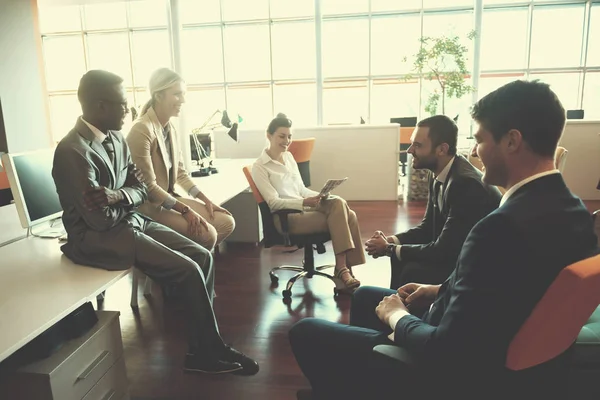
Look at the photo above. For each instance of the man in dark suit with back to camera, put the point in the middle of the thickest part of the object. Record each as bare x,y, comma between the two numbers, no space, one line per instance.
458,199
99,190
508,261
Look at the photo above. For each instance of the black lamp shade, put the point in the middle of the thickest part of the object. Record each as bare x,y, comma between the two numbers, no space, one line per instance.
233,132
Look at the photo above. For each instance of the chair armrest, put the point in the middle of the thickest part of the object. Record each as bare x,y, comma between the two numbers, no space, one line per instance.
395,354
595,215
285,226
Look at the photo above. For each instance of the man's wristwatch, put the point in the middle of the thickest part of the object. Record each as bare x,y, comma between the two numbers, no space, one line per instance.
185,210
389,249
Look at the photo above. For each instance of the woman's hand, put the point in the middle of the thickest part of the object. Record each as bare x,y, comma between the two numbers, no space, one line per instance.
195,223
311,201
212,208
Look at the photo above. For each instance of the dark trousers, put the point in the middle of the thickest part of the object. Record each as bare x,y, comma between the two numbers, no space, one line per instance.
338,359
404,272
172,259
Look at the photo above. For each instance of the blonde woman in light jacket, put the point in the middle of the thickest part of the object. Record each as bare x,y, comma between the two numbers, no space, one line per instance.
153,144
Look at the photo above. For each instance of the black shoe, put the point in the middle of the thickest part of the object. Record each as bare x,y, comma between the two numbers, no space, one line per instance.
198,363
250,367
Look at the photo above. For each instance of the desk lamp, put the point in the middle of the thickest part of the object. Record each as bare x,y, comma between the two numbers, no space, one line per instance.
202,155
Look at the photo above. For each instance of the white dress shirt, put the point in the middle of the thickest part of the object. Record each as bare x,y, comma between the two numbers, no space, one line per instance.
524,182
440,178
101,137
280,184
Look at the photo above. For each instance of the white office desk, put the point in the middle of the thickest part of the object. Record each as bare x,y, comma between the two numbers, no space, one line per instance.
39,285
227,183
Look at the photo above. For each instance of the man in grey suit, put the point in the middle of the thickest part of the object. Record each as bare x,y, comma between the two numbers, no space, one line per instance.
100,189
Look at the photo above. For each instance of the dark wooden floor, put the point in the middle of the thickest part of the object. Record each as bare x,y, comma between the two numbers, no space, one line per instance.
251,316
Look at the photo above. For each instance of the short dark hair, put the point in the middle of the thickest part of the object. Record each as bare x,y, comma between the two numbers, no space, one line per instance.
280,121
94,84
530,107
441,130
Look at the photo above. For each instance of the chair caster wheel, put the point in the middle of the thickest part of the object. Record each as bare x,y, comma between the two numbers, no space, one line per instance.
274,278
287,294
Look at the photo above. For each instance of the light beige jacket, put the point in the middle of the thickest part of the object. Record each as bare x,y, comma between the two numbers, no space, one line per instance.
148,152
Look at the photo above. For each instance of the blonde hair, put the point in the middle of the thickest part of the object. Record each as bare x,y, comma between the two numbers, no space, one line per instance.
160,80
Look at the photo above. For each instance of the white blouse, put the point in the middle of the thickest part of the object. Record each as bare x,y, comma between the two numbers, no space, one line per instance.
280,184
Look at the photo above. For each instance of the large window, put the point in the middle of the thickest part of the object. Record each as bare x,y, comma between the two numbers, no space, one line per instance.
258,58
127,38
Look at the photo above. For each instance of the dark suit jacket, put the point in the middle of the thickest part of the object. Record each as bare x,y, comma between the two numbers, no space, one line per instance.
441,234
102,238
508,261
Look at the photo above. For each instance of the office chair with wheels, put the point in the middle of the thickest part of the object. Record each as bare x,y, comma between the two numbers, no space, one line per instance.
301,149
306,241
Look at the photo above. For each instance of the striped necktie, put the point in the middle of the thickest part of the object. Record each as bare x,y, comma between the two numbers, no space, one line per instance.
110,149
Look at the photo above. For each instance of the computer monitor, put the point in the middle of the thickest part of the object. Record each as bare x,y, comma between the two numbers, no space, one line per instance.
30,178
407,122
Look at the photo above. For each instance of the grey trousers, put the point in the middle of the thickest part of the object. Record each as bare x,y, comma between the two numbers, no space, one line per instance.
168,257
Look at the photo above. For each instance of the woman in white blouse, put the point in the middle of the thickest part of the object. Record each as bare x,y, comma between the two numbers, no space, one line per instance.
154,149
278,179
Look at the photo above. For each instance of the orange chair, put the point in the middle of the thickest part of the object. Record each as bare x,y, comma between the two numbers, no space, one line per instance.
558,317
302,149
272,237
559,320
5,193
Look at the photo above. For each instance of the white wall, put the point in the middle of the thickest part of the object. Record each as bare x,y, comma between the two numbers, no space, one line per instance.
366,154
582,169
22,88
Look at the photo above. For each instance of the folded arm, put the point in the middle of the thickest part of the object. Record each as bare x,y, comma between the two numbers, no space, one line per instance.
74,174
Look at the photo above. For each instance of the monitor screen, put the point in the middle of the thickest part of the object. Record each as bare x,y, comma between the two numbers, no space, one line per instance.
32,186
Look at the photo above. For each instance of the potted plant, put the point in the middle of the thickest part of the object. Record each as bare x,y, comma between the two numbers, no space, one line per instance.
443,61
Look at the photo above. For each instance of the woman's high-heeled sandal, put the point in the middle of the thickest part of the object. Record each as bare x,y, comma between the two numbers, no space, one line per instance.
350,283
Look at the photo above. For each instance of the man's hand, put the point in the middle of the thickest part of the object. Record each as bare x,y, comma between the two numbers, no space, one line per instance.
134,176
212,208
195,223
416,295
98,197
390,306
376,245
311,201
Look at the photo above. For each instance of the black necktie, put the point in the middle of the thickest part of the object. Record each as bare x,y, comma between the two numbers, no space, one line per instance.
436,193
436,207
110,149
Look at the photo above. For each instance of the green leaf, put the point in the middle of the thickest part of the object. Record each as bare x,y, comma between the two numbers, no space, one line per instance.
444,60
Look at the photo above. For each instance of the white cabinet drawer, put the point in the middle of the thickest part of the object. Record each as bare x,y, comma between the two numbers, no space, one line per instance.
112,386
73,370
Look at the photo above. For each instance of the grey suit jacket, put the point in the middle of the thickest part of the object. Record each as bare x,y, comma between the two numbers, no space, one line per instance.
102,238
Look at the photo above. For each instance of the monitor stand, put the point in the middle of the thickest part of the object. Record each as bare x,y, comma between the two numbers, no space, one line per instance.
50,230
